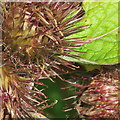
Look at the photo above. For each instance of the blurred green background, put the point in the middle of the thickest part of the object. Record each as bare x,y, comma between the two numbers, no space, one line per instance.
54,92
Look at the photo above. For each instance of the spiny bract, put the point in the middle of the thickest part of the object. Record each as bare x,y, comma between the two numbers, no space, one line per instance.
33,37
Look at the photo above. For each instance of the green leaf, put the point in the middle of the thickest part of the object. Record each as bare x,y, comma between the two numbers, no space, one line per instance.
103,18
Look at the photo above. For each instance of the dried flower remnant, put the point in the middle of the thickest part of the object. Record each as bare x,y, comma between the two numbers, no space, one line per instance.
100,100
33,39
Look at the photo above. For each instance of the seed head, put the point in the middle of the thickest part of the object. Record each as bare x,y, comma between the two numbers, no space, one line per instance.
100,100
33,38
